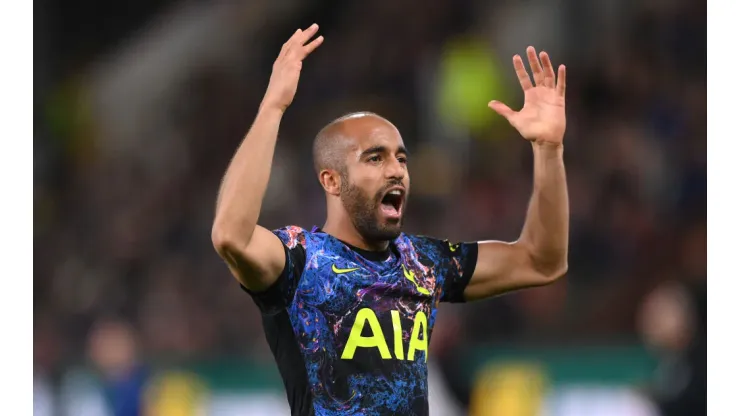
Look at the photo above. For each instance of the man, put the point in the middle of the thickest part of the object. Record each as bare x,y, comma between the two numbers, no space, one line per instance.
348,309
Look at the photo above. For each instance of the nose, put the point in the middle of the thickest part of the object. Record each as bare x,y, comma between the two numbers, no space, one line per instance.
395,170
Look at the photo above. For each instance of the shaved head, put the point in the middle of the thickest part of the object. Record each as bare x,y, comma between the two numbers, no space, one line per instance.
334,140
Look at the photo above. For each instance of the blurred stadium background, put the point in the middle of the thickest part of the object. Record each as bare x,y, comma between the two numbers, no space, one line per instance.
140,104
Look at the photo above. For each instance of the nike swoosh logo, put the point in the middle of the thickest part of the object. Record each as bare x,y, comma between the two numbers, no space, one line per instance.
337,270
410,276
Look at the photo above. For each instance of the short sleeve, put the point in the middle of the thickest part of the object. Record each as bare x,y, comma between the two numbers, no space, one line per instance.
457,262
278,296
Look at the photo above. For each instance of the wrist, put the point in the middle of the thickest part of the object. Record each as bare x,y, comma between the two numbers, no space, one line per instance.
548,148
268,109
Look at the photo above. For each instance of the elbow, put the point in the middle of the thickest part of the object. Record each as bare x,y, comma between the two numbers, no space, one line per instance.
555,273
223,241
219,239
550,268
230,236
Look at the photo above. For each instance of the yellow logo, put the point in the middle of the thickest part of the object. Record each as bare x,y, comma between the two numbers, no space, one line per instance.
366,317
337,270
410,276
453,247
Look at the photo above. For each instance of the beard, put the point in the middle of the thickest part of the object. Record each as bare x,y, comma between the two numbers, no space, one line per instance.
363,211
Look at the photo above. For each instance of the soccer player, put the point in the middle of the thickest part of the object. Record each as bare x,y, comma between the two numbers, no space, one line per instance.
348,309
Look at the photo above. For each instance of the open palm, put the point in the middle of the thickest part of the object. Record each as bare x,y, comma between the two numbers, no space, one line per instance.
542,118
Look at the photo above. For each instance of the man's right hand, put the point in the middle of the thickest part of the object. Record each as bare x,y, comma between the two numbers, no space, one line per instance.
287,68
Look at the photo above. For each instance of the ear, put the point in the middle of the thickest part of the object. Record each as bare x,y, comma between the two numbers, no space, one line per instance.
330,181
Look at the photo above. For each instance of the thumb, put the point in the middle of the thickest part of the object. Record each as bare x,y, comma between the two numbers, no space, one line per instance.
502,109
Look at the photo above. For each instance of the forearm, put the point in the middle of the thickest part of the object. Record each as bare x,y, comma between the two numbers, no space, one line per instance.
545,232
244,185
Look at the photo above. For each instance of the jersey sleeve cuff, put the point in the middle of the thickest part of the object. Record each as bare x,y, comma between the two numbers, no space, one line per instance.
271,300
470,261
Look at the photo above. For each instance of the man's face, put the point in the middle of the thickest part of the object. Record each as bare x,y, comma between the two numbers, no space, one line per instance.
375,183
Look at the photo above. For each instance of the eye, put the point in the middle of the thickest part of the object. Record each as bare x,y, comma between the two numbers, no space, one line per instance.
374,158
402,160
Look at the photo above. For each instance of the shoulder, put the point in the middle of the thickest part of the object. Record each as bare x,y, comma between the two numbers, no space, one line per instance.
440,251
429,244
294,236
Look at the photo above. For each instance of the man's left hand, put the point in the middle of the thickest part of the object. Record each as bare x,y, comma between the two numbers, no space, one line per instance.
542,118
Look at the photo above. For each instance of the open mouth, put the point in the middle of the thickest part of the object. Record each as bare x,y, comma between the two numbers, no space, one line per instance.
392,202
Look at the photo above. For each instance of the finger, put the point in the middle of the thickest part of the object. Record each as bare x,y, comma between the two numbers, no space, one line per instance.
298,47
502,109
308,33
521,73
534,65
561,81
295,37
548,71
312,46
287,45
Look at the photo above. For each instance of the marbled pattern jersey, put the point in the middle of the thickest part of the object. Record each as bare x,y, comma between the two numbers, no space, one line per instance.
350,329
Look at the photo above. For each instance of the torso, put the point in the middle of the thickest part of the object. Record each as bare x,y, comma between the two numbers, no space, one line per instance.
353,336
364,327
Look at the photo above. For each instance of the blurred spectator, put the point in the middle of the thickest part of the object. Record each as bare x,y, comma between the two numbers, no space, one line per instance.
673,322
114,351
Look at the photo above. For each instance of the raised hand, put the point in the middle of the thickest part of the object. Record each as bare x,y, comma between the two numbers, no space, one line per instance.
542,118
287,67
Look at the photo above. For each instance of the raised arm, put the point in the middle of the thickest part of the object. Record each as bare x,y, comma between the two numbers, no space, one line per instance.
540,255
254,254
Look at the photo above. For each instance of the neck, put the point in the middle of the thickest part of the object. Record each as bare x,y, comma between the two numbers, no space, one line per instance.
342,228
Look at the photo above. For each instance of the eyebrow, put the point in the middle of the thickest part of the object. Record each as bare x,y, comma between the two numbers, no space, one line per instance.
382,149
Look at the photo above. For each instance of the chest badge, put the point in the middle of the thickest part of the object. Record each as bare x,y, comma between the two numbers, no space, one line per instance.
411,277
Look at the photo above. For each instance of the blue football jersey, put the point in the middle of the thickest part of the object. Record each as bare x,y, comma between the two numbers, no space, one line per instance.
350,328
